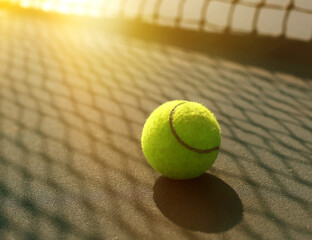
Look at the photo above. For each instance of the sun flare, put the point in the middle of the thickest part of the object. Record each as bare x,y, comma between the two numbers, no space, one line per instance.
76,7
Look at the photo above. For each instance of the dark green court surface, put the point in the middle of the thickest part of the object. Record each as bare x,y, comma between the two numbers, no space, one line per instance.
73,101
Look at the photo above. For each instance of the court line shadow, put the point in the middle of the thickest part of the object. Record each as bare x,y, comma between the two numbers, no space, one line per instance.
205,204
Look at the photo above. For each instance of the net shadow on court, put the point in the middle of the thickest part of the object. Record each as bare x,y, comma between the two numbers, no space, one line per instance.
72,105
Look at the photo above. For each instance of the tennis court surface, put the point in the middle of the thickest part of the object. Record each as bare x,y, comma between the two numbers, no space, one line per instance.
73,101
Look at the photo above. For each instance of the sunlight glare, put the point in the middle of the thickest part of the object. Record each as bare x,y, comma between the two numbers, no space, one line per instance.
78,7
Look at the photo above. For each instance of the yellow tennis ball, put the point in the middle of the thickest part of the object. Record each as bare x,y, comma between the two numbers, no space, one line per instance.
181,139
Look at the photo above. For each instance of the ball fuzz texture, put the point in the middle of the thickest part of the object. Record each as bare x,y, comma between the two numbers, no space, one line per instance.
181,139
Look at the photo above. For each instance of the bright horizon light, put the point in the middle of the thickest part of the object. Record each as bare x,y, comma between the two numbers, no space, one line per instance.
94,8
270,20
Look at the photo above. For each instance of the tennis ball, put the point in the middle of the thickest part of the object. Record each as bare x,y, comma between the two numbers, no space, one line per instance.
181,139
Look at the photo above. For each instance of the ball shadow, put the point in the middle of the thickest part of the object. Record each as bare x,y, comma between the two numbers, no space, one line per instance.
205,204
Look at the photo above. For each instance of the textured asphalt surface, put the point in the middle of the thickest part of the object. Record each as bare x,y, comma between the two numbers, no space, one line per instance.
73,101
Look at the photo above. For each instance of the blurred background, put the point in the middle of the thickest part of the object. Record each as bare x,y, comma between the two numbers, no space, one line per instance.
78,80
288,18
